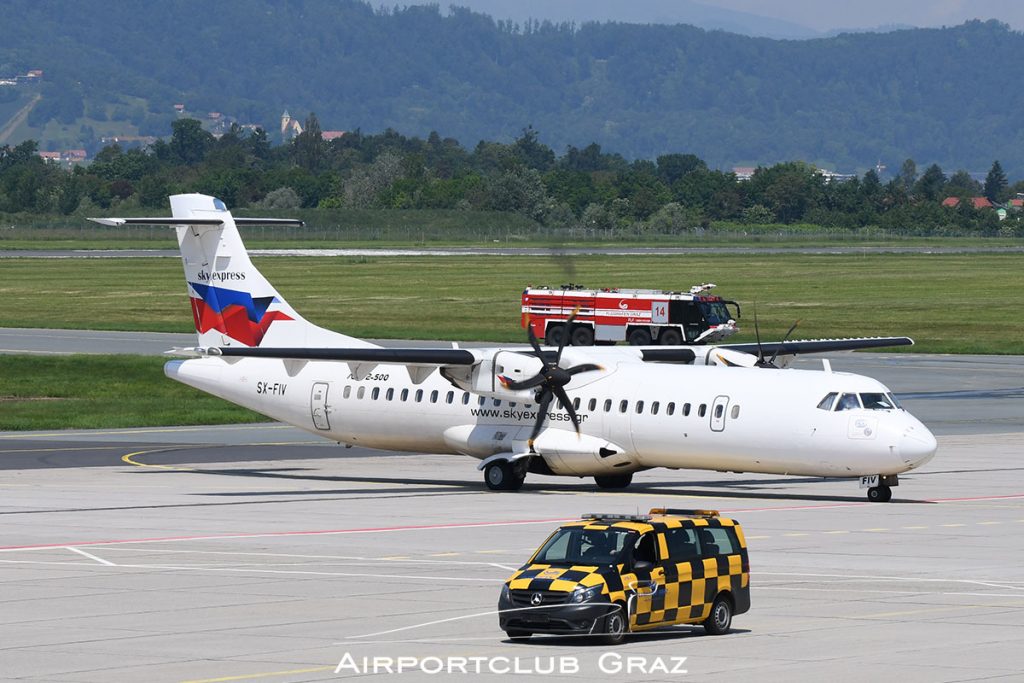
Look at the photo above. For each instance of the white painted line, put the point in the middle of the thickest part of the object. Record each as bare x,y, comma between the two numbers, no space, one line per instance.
868,577
91,556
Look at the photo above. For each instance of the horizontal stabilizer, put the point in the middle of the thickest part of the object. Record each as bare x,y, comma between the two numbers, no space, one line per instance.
116,222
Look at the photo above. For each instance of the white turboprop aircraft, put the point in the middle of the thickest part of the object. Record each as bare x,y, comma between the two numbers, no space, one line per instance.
602,412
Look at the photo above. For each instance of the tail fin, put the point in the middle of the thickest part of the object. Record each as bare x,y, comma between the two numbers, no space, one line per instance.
232,303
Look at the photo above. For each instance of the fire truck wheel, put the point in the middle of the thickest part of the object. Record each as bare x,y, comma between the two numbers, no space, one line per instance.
582,336
670,337
639,337
553,336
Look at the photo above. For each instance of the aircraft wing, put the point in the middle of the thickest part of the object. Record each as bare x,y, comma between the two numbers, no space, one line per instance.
801,346
115,222
436,357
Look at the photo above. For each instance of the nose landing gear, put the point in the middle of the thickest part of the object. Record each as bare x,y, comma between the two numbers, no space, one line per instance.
879,486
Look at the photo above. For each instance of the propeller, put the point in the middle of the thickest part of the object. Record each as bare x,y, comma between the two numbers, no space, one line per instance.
736,359
550,381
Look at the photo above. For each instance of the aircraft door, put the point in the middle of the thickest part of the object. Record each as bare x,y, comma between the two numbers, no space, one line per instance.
718,412
318,405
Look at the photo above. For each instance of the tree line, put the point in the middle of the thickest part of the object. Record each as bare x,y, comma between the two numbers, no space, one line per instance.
586,188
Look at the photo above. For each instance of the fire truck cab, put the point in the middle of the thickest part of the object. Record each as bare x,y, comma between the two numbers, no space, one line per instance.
639,316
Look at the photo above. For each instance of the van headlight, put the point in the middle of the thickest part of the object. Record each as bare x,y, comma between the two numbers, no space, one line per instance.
584,594
506,594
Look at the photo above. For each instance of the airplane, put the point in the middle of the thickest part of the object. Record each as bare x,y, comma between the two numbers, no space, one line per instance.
604,412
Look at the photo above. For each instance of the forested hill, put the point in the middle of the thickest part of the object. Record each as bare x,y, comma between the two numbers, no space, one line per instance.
949,96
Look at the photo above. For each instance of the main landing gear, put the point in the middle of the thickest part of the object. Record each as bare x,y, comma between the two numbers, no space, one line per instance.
502,475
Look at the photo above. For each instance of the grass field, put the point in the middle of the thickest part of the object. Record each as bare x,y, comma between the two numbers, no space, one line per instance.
967,303
47,392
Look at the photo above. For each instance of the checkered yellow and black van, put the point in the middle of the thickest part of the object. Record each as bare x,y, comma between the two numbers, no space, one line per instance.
610,574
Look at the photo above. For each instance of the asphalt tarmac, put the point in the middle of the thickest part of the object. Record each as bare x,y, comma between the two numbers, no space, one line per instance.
258,552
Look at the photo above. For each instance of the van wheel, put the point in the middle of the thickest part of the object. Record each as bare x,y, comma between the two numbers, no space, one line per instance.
720,620
640,337
613,481
615,627
582,336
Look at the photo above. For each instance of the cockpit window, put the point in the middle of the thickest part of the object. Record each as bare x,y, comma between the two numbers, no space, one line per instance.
826,403
877,402
895,402
848,402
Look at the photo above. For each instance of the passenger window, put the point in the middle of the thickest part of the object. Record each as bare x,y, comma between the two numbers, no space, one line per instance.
497,402
719,411
450,398
702,410
670,409
826,403
360,392
735,412
433,396
419,395
607,405
375,394
639,407
682,545
654,408
717,541
405,394
390,395
686,410
347,392
480,401
576,403
465,398
623,406
592,405
848,402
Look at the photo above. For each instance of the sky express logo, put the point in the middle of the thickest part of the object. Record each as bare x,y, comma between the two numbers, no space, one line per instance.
523,415
224,276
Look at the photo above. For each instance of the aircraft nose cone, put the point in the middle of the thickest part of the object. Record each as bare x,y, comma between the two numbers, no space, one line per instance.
917,446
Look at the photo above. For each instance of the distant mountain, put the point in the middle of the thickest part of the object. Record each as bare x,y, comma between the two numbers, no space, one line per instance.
646,12
935,95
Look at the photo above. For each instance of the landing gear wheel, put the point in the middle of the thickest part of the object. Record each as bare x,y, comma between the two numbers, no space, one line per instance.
516,634
720,620
670,337
879,494
615,627
554,334
639,337
582,336
500,475
613,481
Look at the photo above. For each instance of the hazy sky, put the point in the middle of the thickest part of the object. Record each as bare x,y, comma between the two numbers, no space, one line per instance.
823,15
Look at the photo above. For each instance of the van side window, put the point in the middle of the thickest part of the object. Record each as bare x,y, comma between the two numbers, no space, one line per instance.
717,541
682,544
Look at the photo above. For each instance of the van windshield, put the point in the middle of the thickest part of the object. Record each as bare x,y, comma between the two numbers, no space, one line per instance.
576,545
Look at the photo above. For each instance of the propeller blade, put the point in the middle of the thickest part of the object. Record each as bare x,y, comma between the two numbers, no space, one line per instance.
583,367
563,400
784,339
533,341
565,335
757,333
542,412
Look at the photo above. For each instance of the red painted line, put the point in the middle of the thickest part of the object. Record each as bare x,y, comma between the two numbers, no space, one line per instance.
272,534
797,507
963,500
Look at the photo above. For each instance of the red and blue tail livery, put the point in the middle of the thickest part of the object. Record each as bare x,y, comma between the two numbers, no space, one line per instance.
233,313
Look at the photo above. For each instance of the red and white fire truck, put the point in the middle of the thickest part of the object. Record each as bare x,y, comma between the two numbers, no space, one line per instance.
639,316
